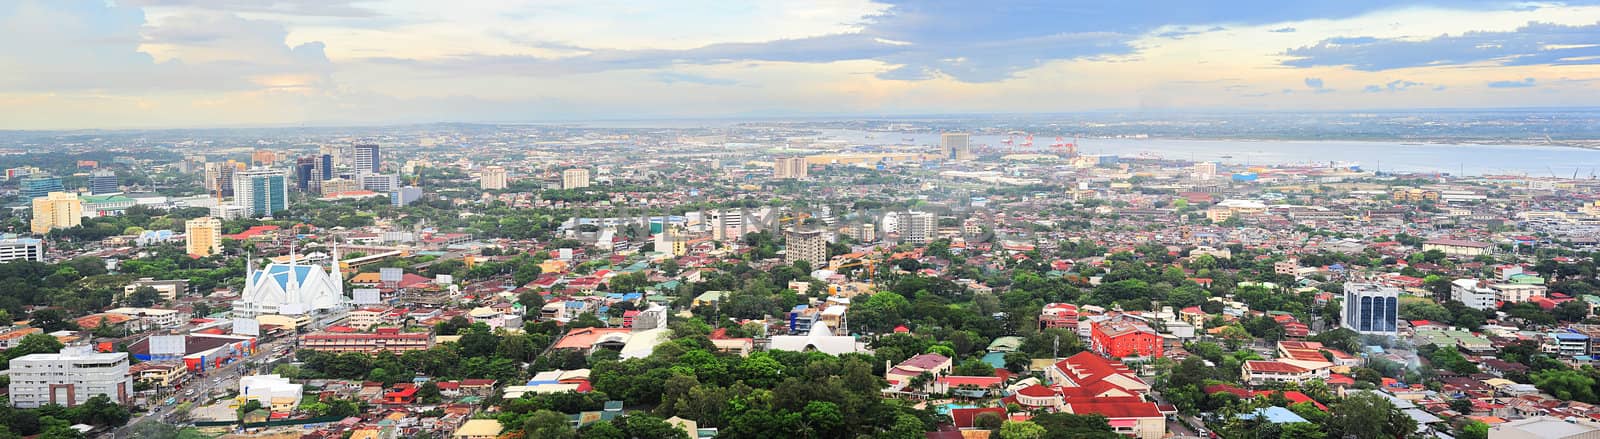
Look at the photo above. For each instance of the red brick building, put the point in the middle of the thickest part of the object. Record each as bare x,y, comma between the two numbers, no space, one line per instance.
1122,338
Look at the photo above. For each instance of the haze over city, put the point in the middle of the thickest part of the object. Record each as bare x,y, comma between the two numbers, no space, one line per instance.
180,63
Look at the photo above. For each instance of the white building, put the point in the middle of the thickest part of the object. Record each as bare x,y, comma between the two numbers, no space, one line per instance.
291,289
1371,308
914,227
492,178
21,249
69,378
379,182
271,390
575,178
1473,293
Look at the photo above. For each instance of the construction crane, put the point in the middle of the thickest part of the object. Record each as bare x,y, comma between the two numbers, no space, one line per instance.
871,265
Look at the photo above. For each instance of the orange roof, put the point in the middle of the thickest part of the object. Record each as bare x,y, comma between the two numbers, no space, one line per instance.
584,338
93,321
24,332
366,278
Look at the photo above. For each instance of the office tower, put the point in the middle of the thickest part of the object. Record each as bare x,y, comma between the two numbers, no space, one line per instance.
326,168
726,224
337,154
575,178
493,178
379,182
69,378
35,186
203,236
805,244
261,192
305,171
1371,308
263,157
955,146
404,196
103,181
367,158
789,167
21,249
56,210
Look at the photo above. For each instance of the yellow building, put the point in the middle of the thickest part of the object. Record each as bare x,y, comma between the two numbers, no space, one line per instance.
204,236
57,210
478,429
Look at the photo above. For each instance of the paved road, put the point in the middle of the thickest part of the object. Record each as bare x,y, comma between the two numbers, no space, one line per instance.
214,383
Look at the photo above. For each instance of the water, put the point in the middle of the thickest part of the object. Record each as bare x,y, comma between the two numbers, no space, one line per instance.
1532,160
944,409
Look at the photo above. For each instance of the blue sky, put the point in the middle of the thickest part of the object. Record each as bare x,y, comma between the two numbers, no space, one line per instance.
161,63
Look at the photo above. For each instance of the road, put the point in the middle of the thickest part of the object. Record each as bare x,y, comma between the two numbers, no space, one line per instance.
211,384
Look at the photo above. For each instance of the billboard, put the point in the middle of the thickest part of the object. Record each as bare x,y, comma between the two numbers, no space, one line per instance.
244,326
366,296
390,275
164,345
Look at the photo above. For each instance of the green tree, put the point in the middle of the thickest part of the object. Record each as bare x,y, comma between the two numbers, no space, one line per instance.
1021,430
1473,430
1366,415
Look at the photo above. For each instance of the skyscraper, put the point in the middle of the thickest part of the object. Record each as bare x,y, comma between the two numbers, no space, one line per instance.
575,178
1371,308
203,236
219,177
103,181
56,210
305,171
261,192
35,186
493,178
955,146
789,167
367,158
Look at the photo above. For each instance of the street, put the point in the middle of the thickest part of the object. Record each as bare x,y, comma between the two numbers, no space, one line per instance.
212,384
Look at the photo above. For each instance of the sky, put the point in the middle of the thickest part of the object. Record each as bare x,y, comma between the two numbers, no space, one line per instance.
70,64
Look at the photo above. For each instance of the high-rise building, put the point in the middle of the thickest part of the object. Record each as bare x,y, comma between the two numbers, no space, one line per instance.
493,178
21,249
914,227
805,244
262,192
35,186
955,146
204,236
1371,308
305,171
56,210
576,178
326,167
103,181
1205,170
367,158
789,167
219,177
69,378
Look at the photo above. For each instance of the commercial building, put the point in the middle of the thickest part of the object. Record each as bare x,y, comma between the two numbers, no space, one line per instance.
955,146
56,210
789,167
914,227
21,249
219,177
493,178
367,158
105,205
383,339
806,245
203,236
272,391
1458,248
262,192
103,181
307,175
169,289
575,178
35,186
1371,308
379,182
69,378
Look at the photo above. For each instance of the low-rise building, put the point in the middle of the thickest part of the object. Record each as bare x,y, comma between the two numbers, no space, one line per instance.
69,378
383,339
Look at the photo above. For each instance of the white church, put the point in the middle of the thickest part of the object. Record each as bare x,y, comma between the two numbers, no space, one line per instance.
292,289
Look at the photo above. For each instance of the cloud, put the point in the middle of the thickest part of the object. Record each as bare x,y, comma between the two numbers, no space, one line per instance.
67,46
1283,30
1397,85
1524,83
689,78
310,8
1531,44
1315,83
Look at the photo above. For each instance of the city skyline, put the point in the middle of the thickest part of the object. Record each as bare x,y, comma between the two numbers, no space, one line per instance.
177,63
